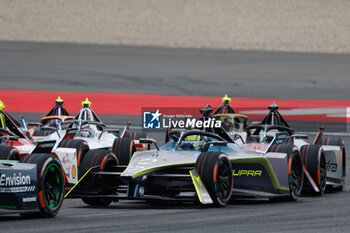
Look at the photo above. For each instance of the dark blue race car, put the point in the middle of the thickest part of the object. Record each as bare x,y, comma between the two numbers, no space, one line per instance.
33,186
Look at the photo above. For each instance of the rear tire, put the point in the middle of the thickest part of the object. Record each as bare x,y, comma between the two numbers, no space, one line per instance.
9,153
315,162
50,184
104,159
136,136
337,142
215,170
123,148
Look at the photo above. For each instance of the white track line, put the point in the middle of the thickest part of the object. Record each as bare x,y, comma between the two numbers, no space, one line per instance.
338,134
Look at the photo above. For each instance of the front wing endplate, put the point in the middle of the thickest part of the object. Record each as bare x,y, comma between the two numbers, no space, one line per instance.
201,191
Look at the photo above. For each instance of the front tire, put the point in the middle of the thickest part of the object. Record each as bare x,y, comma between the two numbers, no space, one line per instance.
215,170
50,184
123,148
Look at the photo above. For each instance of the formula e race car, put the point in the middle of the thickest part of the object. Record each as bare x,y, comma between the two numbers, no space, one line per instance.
33,186
50,123
86,131
195,165
88,128
232,122
324,160
260,134
69,151
202,164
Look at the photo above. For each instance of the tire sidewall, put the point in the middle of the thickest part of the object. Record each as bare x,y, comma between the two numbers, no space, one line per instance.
295,194
41,179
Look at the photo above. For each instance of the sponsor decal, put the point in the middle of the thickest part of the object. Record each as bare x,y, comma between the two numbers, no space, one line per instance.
29,199
158,120
17,189
144,163
152,120
281,138
331,167
15,180
246,172
46,145
191,123
74,171
198,179
11,207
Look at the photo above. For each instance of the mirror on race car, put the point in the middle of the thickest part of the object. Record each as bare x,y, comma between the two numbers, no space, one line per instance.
149,141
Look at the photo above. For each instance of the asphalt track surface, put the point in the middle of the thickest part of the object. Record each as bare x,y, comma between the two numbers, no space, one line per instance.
147,70
59,67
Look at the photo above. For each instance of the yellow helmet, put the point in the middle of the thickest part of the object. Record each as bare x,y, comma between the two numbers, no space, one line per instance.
226,99
59,100
86,103
2,105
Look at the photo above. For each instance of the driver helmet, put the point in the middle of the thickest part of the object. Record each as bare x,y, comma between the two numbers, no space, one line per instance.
54,122
193,140
85,131
2,119
187,146
2,105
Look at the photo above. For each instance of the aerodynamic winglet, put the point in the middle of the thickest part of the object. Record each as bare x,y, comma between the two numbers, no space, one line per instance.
201,191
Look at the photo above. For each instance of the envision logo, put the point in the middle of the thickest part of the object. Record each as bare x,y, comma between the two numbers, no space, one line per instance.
15,180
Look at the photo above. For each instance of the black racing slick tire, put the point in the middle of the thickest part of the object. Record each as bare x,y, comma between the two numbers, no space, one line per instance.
103,160
123,148
50,179
136,136
215,170
9,153
80,145
295,171
337,142
314,161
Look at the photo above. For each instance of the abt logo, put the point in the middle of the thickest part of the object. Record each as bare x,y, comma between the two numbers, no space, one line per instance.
152,120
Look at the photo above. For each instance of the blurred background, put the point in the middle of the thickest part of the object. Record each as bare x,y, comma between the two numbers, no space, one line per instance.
126,55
